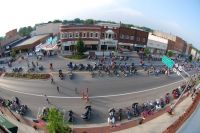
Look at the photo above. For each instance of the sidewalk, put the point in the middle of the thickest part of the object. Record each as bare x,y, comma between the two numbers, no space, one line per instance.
160,123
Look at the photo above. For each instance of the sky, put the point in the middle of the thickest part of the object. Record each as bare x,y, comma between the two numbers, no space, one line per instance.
178,17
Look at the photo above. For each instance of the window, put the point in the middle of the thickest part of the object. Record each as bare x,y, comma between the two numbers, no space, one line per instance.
122,36
131,37
77,35
138,38
66,48
91,34
109,36
96,35
127,37
84,35
144,39
103,35
62,35
70,35
65,35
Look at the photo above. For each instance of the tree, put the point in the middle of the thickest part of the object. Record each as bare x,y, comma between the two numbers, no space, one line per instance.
25,31
77,20
190,58
170,53
146,51
1,38
57,21
80,46
56,123
89,21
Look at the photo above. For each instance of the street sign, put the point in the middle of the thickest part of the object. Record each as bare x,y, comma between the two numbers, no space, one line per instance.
168,62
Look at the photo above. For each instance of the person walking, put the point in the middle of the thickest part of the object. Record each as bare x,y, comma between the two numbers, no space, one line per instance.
58,89
52,81
46,98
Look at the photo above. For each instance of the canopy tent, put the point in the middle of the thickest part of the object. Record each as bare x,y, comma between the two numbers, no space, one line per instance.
8,125
50,44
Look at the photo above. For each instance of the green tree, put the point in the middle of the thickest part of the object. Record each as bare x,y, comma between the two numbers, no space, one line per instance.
1,38
146,51
25,31
170,53
80,46
89,21
56,123
57,21
190,58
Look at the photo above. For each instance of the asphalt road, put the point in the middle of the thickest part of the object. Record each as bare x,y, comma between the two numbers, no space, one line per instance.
104,93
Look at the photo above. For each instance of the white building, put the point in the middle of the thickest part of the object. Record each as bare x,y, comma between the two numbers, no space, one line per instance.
193,53
157,45
47,28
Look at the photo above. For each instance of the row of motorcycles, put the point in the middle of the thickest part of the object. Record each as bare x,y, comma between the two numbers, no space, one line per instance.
14,105
120,58
146,108
17,69
113,68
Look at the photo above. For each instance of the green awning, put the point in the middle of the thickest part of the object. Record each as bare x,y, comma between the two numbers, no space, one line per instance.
8,125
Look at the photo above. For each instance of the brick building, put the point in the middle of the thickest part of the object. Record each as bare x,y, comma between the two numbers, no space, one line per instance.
102,37
175,43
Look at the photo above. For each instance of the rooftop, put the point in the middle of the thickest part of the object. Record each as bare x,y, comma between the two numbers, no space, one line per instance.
32,40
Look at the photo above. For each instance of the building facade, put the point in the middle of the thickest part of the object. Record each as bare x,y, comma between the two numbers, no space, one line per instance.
46,28
175,43
102,37
157,45
10,37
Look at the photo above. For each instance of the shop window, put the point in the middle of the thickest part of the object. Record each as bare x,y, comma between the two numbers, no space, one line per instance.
66,48
111,48
103,47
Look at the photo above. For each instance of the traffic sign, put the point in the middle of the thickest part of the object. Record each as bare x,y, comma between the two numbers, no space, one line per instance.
168,62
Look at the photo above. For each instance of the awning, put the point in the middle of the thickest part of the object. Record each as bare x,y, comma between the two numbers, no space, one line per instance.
8,125
125,44
91,42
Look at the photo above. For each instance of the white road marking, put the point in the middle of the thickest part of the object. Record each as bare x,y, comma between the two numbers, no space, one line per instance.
92,97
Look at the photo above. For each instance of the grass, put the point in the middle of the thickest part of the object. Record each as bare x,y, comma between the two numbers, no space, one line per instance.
28,75
76,57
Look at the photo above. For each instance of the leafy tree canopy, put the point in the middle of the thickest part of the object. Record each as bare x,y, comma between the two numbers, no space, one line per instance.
56,123
80,46
25,31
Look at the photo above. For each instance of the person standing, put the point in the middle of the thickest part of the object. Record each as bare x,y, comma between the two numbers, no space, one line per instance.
52,81
58,89
46,98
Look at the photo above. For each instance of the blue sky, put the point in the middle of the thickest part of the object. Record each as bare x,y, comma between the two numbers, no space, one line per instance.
179,17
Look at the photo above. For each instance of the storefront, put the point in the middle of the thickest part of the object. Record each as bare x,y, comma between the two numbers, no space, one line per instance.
157,45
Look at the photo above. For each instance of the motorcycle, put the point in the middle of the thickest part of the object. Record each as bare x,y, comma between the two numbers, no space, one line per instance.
87,114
